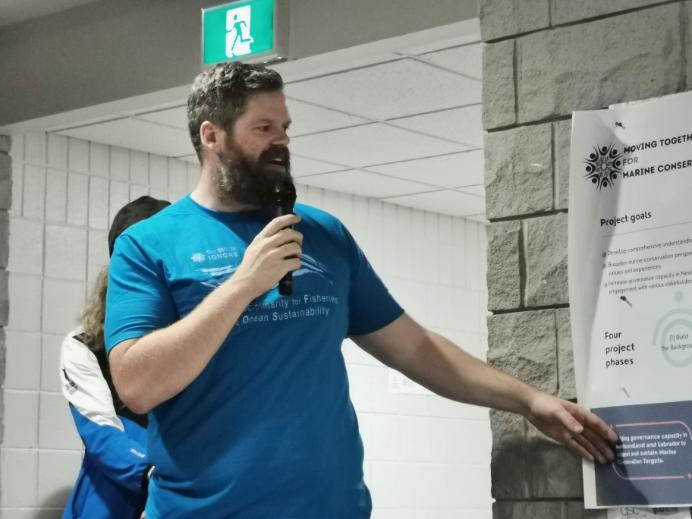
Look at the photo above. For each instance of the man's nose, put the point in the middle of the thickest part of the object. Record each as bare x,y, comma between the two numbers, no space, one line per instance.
281,138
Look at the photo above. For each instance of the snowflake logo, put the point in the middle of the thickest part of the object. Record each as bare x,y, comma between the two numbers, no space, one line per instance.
198,257
603,166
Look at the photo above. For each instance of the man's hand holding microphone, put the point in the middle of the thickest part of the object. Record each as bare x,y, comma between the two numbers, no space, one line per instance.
273,253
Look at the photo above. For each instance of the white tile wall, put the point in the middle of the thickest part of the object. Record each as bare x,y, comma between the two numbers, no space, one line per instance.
19,513
426,457
17,185
57,471
35,149
139,168
77,191
119,196
137,190
177,176
120,164
20,418
98,203
97,252
26,253
34,191
56,428
56,195
192,176
159,192
99,159
65,255
57,150
62,304
432,514
158,172
78,154
25,297
23,351
19,470
50,362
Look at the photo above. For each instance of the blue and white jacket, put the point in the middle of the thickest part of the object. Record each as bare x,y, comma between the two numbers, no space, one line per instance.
113,479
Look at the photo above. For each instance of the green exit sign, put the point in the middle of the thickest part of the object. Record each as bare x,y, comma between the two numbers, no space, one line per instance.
245,30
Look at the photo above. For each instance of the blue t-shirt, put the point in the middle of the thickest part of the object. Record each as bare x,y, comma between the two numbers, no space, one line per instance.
267,430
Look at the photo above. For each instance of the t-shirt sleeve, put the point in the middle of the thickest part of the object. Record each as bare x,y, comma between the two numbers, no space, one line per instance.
138,300
370,305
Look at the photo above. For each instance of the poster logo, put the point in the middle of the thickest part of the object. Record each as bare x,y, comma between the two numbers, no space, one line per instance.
603,166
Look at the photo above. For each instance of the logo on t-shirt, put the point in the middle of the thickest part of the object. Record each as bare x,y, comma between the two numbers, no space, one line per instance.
216,276
216,254
309,265
228,260
216,264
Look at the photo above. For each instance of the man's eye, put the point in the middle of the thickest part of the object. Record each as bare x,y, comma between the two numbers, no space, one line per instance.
264,128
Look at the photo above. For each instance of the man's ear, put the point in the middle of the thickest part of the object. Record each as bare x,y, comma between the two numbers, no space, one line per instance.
211,136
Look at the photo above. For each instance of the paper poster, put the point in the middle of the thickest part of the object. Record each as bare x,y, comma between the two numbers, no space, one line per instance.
648,513
630,280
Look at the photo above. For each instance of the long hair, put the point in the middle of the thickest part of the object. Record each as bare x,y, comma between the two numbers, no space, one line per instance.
94,313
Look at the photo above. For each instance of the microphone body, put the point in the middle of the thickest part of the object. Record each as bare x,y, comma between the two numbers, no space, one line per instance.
282,202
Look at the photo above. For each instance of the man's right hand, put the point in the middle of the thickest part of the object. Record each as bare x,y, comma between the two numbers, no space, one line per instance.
273,253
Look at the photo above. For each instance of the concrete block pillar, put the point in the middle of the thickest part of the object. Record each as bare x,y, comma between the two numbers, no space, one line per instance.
542,59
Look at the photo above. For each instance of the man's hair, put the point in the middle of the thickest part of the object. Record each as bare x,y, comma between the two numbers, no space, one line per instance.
220,95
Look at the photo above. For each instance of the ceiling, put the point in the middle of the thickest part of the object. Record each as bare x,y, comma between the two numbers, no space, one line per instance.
400,122
16,11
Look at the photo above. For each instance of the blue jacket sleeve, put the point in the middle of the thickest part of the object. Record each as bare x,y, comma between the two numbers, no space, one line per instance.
116,449
121,458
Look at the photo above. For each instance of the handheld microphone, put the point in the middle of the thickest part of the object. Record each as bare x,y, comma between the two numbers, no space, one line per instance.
282,200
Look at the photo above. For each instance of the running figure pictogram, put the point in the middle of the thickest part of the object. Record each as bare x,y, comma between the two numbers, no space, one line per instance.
238,33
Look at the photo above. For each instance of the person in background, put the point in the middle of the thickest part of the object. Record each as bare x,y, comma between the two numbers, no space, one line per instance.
112,482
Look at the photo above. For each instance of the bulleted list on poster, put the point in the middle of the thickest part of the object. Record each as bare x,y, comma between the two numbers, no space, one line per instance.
630,276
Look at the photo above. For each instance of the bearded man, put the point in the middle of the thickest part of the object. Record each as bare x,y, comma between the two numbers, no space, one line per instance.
247,392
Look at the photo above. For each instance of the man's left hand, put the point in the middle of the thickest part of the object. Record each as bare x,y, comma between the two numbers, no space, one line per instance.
571,424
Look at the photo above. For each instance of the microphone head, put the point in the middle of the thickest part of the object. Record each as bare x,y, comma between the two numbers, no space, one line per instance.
284,194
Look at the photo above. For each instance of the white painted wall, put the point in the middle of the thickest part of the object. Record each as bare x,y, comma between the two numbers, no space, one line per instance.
426,457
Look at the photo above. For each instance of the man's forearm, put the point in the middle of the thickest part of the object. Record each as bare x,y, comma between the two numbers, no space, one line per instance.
438,364
158,366
441,366
451,372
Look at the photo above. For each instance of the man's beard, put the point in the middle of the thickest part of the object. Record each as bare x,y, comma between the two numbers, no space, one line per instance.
244,180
